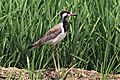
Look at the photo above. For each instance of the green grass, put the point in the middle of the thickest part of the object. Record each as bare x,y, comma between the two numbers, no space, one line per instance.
93,41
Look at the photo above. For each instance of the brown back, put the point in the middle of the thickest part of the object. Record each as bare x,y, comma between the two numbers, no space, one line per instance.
51,34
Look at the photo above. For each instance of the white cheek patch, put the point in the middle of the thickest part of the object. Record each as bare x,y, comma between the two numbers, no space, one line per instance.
65,14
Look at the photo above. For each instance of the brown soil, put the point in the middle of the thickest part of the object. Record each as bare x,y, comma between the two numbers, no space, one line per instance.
12,73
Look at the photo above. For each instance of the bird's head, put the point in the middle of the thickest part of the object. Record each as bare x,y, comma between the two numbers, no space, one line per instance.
64,14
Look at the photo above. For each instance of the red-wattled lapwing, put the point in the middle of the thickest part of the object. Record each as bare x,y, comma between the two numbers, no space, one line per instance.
55,34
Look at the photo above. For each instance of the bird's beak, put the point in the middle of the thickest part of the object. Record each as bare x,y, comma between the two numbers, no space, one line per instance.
72,14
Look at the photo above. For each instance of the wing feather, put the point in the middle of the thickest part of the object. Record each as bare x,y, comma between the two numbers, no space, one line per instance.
51,34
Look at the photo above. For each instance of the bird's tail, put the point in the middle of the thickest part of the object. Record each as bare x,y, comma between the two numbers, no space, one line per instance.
34,45
30,47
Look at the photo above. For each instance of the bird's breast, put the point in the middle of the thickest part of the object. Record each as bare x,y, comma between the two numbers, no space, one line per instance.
59,38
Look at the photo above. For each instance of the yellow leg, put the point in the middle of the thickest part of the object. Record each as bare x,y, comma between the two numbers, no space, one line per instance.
58,61
54,60
58,58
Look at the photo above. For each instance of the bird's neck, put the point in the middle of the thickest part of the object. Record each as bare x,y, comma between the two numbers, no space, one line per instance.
65,24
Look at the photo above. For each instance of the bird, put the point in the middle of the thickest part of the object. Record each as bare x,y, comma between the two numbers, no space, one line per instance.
55,35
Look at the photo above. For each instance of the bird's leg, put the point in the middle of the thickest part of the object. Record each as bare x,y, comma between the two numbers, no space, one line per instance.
58,57
54,58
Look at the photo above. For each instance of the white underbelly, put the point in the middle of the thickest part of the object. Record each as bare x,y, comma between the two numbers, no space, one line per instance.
59,38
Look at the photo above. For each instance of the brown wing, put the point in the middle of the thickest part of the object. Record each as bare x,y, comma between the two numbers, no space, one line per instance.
51,34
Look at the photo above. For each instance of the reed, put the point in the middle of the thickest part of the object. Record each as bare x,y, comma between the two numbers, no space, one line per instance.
93,41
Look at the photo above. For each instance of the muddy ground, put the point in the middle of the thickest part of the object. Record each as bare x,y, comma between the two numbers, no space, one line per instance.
12,73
